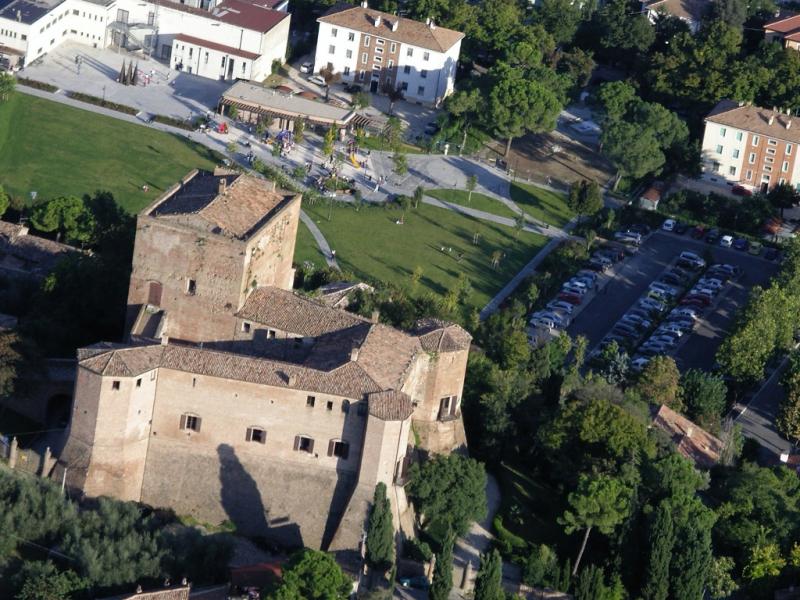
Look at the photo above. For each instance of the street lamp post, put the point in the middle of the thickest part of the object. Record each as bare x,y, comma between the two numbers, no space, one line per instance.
104,94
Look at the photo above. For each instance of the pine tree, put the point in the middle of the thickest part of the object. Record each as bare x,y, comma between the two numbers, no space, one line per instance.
661,540
489,582
589,584
380,535
443,572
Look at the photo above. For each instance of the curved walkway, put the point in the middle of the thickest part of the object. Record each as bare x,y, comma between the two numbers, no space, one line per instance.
324,247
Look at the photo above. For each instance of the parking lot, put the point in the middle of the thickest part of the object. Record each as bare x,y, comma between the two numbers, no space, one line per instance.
632,278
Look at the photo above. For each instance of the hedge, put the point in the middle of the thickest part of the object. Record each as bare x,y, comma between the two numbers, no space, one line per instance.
89,99
39,85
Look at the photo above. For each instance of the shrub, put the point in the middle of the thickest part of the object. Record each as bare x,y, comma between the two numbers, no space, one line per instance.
89,99
38,85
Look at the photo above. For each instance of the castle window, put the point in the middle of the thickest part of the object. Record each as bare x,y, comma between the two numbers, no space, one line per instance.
339,448
345,406
190,422
330,405
310,401
448,408
271,334
256,434
191,287
303,443
115,385
246,327
139,382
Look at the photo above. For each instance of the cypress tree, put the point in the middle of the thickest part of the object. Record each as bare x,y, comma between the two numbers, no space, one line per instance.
135,74
692,563
123,73
129,80
589,584
661,540
443,571
489,582
380,535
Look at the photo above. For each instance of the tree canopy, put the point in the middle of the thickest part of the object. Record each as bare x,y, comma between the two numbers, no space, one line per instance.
313,575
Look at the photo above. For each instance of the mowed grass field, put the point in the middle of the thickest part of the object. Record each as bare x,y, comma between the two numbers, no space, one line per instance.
57,150
544,205
478,201
371,244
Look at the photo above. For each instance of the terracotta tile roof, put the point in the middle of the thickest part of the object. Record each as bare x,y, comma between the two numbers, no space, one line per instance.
248,15
216,46
387,355
390,405
691,441
236,210
176,593
29,253
690,10
414,33
349,380
756,120
785,24
290,312
436,335
335,294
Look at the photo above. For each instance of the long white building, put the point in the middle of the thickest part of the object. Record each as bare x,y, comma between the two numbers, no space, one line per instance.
235,39
377,49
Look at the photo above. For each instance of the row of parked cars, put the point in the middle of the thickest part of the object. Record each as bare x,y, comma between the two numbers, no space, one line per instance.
558,313
715,237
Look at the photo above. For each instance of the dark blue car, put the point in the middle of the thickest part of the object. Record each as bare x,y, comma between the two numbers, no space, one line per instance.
741,244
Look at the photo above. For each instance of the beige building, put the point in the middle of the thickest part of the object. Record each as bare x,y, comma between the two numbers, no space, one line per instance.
237,399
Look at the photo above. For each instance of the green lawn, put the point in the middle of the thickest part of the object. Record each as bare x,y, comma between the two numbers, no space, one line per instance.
59,150
306,248
543,205
478,201
371,244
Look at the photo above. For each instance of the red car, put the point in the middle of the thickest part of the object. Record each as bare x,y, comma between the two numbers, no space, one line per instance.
698,232
571,298
696,301
739,190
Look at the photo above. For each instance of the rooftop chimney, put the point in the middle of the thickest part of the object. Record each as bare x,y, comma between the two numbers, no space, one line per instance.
395,25
364,4
222,185
771,119
290,379
354,354
377,20
689,431
19,15
375,316
788,124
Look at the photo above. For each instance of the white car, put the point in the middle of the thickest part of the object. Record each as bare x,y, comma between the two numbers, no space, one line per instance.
693,259
684,312
668,225
726,241
317,79
665,289
306,67
559,320
546,323
574,289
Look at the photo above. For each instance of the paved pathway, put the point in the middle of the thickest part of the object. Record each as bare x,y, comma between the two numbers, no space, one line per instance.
324,247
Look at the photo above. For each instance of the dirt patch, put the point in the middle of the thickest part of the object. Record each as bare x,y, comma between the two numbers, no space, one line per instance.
533,158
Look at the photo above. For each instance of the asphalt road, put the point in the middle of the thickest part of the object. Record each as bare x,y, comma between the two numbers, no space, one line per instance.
758,417
636,274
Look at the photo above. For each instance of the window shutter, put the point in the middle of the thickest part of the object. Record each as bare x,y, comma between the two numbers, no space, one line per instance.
345,451
297,442
331,444
249,435
183,421
198,421
311,447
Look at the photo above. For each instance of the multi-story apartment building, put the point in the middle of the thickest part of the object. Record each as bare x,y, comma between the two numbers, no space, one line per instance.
235,39
237,399
380,50
750,146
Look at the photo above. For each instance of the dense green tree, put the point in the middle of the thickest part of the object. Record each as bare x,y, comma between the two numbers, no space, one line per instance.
621,32
731,12
764,560
465,106
10,358
691,562
614,363
720,582
313,575
788,418
585,197
591,585
443,570
704,395
504,339
380,531
519,104
489,581
661,540
600,502
328,142
615,97
449,490
68,215
783,196
659,382
400,163
560,17
7,84
43,581
541,567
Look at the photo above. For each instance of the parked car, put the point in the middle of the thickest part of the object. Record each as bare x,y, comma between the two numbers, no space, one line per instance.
712,236
703,291
317,79
574,289
693,300
598,256
636,320
571,298
710,283
663,339
561,320
598,264
653,305
575,283
671,328
587,273
638,364
668,225
732,270
640,228
771,254
561,306
665,289
680,228
691,259
626,331
545,323
653,347
659,295
671,279
726,241
698,232
628,237
741,244
756,248
306,67
615,253
684,312
739,190
683,323
639,312
353,88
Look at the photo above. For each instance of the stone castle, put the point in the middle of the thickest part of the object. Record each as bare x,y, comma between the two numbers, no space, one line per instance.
236,399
